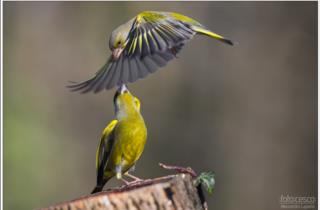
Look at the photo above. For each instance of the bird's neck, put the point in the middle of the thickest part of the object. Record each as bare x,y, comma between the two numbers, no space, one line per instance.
122,115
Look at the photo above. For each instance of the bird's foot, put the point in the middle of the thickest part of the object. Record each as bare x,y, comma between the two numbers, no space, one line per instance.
126,183
130,183
179,169
135,179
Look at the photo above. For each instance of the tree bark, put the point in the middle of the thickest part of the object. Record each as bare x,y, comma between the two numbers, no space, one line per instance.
174,192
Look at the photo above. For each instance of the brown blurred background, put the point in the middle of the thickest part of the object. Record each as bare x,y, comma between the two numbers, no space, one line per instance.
247,112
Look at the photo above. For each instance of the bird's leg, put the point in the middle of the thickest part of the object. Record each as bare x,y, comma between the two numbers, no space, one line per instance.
126,183
135,179
130,183
119,177
118,172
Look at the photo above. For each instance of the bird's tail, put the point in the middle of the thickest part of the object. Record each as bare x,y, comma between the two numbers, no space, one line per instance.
97,188
211,34
100,185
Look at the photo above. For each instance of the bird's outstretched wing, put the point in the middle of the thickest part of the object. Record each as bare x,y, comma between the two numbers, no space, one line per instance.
153,40
103,79
154,33
104,149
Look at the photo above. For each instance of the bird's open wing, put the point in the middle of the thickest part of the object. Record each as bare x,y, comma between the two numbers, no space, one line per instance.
104,149
103,79
153,40
153,33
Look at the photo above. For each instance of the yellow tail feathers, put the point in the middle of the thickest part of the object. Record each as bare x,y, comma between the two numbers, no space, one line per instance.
212,34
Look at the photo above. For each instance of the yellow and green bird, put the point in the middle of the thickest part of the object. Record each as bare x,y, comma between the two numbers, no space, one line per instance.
122,141
144,44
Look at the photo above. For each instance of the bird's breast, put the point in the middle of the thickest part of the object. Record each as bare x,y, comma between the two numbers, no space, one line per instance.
132,139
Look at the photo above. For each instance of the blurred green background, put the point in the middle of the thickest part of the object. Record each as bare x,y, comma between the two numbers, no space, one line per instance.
247,112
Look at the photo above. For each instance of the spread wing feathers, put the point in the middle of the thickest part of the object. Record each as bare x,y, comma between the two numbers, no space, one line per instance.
124,70
151,44
102,79
104,149
149,36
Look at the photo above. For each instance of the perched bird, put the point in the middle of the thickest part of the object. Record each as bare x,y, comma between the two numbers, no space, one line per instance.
122,141
143,45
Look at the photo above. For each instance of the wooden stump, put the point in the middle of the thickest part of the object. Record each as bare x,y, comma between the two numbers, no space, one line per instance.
164,193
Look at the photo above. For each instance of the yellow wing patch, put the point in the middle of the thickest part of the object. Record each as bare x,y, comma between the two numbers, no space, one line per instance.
140,42
184,18
149,16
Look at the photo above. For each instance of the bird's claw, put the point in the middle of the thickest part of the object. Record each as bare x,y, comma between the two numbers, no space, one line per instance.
133,177
130,184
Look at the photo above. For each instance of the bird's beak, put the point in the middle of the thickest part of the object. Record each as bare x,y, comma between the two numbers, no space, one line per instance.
122,88
116,53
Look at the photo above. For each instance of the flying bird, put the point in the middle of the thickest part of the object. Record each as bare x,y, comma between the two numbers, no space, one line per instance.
122,140
141,46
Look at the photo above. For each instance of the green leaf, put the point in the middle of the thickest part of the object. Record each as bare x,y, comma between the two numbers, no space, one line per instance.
207,180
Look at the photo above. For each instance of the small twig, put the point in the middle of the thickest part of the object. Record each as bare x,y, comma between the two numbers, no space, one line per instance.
179,169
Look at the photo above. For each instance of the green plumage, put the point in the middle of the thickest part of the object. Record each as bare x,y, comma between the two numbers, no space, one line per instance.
143,45
122,141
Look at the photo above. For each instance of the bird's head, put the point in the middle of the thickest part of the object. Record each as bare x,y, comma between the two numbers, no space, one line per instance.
125,103
117,41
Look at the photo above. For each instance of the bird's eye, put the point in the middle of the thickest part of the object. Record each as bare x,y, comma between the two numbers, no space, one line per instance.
119,42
